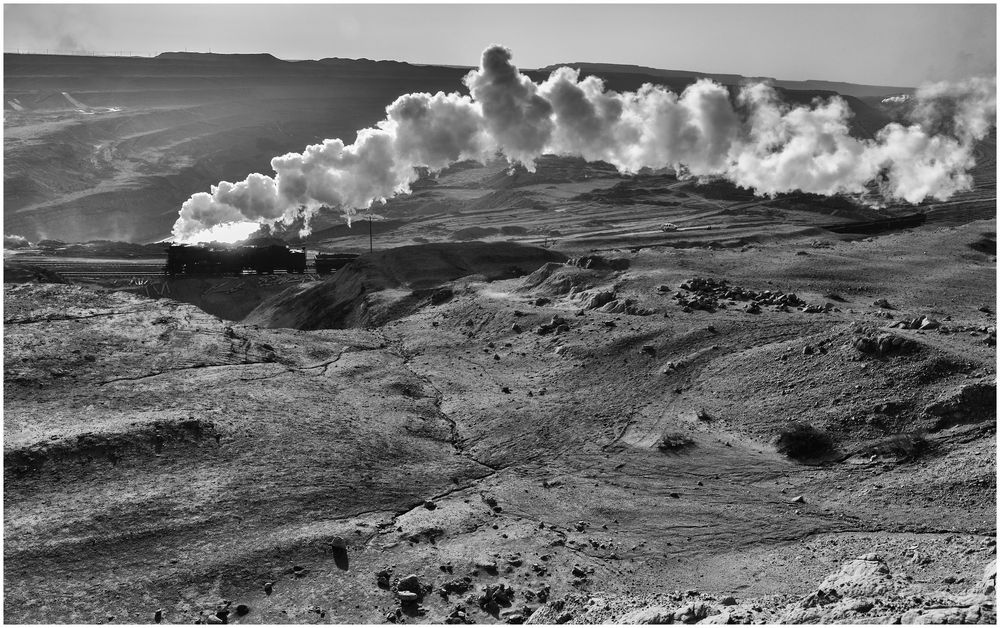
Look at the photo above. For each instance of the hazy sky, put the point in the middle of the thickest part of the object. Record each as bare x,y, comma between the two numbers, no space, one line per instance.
877,44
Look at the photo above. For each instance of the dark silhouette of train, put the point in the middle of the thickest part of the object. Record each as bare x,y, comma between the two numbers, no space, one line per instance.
213,259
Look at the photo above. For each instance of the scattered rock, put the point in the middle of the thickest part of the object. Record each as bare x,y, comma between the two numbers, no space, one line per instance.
706,294
383,578
409,583
884,345
458,615
458,585
488,566
495,596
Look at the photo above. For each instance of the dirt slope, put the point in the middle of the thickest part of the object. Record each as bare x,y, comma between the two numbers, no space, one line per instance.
379,287
157,458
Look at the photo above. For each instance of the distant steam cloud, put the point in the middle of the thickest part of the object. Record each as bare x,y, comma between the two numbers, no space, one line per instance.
15,242
757,142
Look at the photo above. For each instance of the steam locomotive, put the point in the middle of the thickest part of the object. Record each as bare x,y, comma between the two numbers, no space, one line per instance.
215,259
184,259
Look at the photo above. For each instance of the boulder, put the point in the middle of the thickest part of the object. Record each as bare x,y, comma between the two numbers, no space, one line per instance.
409,583
950,615
929,323
721,619
595,299
649,615
865,576
693,613
407,597
615,306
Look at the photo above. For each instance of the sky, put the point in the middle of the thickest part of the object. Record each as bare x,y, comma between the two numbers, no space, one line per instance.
898,44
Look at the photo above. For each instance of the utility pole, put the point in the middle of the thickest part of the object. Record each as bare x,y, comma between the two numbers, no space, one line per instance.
371,241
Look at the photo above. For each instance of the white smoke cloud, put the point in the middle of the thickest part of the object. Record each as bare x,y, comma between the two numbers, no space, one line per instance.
800,148
755,140
517,117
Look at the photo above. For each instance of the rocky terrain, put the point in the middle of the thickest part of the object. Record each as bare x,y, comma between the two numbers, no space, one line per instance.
790,430
560,396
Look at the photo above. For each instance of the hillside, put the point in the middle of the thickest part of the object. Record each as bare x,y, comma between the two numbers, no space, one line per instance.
847,89
109,147
154,131
606,440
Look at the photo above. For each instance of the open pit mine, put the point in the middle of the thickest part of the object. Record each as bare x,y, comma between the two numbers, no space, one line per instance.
595,360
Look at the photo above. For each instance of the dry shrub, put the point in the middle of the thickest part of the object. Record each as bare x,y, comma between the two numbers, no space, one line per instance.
801,441
674,441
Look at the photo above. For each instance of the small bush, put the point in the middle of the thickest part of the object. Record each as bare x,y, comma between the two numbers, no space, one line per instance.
801,441
674,441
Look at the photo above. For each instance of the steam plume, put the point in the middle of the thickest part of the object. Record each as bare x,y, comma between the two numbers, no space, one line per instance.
757,142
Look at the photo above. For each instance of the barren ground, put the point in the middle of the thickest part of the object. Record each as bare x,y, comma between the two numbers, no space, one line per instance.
157,457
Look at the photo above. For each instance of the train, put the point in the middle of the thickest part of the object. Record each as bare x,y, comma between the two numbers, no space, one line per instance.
199,259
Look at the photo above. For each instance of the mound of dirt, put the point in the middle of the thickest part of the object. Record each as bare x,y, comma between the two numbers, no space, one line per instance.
27,273
557,280
405,275
987,243
67,453
229,298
